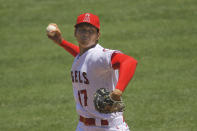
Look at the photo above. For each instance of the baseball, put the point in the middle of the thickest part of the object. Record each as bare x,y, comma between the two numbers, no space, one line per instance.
51,30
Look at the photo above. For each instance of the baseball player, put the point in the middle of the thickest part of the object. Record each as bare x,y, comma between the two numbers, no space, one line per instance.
95,67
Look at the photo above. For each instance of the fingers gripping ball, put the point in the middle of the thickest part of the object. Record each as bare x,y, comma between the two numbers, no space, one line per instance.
105,104
51,30
54,33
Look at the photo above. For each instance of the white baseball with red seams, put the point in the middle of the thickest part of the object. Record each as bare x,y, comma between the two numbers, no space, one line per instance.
51,30
90,72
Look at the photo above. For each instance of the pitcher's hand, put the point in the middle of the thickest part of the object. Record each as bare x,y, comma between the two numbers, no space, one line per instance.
57,37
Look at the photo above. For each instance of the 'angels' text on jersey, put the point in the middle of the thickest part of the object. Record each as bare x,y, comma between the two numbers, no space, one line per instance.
79,77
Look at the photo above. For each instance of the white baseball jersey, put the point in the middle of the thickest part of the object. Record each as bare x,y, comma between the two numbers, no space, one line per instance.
90,72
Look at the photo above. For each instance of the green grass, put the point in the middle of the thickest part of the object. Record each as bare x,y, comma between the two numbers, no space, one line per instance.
35,84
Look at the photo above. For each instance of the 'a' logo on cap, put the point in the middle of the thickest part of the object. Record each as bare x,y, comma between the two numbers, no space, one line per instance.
86,18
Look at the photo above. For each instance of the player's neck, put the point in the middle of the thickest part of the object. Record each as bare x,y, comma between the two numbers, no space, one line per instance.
83,50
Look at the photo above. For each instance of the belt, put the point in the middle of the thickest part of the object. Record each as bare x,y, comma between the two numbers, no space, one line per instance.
92,121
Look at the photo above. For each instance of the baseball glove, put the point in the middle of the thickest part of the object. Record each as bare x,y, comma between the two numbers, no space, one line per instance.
105,104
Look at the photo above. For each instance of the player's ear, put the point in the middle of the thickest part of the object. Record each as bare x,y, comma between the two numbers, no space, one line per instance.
98,35
75,31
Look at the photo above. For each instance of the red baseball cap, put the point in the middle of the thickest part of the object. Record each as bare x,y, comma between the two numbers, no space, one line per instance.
89,18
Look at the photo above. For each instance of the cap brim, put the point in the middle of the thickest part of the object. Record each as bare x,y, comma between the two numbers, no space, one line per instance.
86,23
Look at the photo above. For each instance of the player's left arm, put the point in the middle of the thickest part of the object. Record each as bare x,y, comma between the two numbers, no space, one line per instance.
126,66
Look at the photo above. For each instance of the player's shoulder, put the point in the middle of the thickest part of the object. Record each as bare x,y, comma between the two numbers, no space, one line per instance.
100,53
101,50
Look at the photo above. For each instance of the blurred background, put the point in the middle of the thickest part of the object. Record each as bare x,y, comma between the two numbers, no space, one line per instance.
35,84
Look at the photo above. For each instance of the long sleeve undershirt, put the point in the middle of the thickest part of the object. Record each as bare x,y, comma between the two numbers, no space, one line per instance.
126,66
124,63
71,48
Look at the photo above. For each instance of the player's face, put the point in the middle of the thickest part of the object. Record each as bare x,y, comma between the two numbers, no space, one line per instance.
86,35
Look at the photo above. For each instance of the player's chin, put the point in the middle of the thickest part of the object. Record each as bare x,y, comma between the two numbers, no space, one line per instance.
84,43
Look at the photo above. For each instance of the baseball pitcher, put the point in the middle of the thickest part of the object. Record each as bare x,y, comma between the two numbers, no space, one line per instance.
99,76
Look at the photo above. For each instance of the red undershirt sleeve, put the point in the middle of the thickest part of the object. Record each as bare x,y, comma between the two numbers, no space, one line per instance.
126,65
71,48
